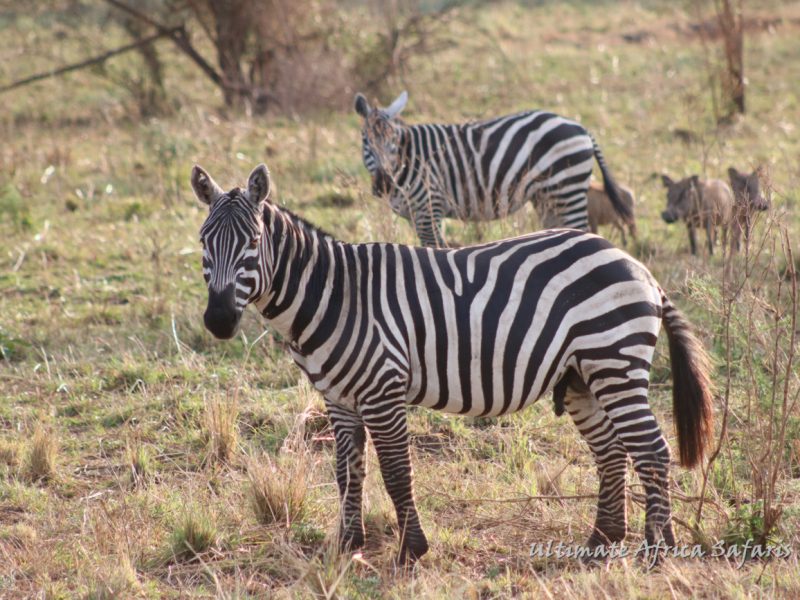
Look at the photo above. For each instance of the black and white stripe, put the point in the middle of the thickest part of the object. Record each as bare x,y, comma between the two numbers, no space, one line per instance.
482,170
484,330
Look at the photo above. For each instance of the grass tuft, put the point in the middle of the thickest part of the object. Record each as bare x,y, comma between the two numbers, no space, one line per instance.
220,430
9,453
118,581
326,572
139,463
40,462
194,534
278,493
18,535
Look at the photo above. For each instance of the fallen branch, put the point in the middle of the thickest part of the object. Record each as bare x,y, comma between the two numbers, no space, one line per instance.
96,60
524,498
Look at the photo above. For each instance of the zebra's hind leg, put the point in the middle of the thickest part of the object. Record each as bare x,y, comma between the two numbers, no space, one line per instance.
626,406
348,430
388,428
611,459
572,210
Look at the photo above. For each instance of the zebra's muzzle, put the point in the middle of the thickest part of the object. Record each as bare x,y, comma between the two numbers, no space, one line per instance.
381,184
222,316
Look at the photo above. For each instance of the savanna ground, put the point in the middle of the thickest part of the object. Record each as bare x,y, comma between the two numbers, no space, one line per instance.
131,442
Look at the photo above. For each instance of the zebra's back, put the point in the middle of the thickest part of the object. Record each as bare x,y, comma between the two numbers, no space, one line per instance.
489,169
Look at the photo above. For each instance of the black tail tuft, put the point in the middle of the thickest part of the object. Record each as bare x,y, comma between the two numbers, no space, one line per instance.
691,386
611,188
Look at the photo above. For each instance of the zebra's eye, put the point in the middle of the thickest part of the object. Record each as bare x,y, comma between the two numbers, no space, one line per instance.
254,242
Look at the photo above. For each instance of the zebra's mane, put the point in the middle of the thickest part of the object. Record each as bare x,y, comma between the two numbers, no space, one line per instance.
302,224
480,121
393,120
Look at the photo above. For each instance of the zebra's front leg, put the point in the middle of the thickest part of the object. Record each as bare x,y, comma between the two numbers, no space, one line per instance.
428,223
612,462
348,430
389,433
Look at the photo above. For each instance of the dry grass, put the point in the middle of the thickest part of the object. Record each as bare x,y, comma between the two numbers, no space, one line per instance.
220,429
325,572
113,580
40,460
9,453
139,461
278,489
194,534
18,536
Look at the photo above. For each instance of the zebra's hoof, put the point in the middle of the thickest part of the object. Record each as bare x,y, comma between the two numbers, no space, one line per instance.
411,551
350,541
604,545
606,537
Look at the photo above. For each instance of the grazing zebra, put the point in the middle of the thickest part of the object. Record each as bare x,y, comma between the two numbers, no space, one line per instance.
483,330
483,170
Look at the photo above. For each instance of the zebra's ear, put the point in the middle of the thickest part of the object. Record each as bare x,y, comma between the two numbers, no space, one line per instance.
205,188
258,185
396,107
667,181
361,105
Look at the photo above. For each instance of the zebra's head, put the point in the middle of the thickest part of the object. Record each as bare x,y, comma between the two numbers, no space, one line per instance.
232,240
381,141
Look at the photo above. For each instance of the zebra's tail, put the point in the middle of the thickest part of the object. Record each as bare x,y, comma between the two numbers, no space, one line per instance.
622,209
691,385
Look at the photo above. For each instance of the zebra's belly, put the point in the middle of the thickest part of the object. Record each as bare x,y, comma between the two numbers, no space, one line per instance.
489,211
482,394
480,406
474,209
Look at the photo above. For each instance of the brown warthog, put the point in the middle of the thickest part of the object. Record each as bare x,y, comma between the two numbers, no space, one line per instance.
748,198
699,203
601,211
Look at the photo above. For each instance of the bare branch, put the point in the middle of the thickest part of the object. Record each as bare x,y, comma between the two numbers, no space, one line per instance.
178,35
96,60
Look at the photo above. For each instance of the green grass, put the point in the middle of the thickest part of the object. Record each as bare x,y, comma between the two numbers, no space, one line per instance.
102,340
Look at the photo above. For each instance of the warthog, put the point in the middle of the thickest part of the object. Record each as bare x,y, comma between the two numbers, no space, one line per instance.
748,198
700,203
601,211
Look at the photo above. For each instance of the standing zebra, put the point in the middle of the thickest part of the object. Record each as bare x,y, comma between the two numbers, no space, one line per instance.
483,170
484,330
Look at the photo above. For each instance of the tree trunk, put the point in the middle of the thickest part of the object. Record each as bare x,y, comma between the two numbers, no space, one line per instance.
731,24
152,95
232,24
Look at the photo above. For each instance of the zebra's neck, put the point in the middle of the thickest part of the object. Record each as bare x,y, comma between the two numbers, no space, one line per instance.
297,260
424,146
405,155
